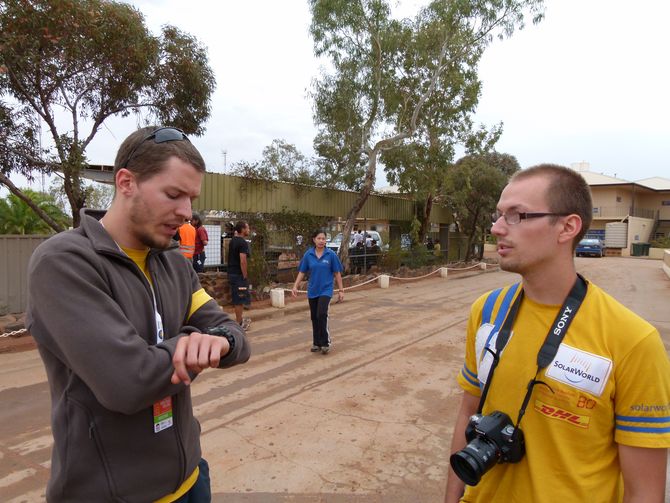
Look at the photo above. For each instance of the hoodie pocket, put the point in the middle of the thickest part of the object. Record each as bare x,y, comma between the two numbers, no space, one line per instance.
88,466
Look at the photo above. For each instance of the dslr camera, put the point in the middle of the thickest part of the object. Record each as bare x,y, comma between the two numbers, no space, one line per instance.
491,439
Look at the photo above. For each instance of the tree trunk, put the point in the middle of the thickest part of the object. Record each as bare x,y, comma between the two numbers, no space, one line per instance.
72,187
362,198
425,218
471,236
39,211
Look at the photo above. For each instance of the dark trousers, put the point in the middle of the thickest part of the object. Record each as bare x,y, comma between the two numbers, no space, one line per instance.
199,262
201,491
318,307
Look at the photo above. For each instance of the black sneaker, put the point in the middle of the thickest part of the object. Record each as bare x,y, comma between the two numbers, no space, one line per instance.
315,349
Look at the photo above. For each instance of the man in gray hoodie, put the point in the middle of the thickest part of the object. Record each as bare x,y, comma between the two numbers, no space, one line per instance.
123,327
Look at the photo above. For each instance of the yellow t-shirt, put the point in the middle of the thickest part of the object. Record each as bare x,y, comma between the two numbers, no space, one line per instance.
197,300
610,382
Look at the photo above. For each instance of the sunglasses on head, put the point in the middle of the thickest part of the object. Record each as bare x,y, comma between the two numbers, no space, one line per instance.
160,135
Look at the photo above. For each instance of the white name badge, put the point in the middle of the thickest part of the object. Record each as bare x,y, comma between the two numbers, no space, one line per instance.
484,339
580,369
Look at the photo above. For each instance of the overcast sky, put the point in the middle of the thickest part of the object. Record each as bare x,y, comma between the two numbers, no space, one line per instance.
588,83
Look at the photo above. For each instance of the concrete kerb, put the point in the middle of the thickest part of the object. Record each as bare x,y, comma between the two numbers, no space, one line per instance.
300,303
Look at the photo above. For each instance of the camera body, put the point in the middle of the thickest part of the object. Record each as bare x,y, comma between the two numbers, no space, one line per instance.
491,439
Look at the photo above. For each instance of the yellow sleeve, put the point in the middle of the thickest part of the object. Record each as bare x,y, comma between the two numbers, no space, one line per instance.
642,402
467,377
198,299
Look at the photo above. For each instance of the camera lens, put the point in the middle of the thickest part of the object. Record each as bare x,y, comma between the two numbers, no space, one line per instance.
474,460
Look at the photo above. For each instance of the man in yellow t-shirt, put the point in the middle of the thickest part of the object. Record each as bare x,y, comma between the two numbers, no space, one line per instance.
598,427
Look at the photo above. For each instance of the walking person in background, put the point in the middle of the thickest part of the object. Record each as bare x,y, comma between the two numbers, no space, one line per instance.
437,249
323,265
201,240
238,276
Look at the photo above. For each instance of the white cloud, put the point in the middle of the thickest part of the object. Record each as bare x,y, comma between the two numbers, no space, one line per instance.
589,83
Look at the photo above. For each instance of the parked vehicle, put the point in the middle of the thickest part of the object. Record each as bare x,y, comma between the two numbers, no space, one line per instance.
592,247
335,243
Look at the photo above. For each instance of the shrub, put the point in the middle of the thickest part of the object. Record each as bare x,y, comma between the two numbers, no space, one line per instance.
660,243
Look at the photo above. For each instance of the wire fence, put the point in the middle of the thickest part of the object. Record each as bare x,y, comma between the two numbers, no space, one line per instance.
478,265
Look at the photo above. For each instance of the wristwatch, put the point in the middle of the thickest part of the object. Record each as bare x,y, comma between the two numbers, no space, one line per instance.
223,332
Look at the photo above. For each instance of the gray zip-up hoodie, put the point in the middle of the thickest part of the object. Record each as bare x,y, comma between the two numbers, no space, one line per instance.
91,311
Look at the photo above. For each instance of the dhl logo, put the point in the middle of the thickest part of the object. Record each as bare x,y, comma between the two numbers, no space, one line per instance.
562,415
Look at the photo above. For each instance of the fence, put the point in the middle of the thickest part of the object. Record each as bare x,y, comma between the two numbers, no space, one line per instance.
15,252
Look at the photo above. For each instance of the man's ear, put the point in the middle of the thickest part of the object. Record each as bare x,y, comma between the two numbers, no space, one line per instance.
572,225
125,181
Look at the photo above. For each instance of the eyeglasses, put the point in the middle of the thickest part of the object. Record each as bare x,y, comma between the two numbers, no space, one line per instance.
160,135
514,217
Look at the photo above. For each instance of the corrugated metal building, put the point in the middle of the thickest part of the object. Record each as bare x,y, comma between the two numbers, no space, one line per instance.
237,194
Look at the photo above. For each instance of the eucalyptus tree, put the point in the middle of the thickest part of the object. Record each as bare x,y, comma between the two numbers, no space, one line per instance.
382,71
282,162
69,65
474,184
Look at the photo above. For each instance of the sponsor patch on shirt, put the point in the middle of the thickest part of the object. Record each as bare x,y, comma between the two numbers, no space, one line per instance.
580,369
567,416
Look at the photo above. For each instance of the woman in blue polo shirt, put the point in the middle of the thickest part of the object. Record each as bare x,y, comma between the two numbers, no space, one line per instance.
322,265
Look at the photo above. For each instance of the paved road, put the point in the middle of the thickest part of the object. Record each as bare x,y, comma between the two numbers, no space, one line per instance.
370,422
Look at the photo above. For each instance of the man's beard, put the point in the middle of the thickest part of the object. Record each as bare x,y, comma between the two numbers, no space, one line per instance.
140,214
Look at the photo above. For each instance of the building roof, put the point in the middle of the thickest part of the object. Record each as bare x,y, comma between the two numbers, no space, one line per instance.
655,182
600,179
594,179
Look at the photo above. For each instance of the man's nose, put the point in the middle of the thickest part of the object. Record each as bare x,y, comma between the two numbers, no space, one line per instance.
184,209
498,227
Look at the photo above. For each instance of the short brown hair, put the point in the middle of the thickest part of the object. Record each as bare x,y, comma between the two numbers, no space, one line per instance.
567,193
239,226
145,158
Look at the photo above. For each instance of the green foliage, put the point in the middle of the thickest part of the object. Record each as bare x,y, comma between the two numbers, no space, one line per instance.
281,162
84,61
293,223
16,217
418,256
660,243
473,186
415,226
98,195
393,258
393,82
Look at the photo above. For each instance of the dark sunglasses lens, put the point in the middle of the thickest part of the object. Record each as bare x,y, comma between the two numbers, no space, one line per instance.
169,134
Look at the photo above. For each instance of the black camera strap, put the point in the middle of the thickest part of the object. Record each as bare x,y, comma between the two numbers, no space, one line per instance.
549,348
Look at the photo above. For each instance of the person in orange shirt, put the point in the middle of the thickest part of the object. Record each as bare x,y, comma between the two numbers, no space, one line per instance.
186,237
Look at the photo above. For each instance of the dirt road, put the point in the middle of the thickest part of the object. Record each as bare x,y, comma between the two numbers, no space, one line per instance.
370,422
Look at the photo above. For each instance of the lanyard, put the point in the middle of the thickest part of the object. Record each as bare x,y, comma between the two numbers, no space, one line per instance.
157,316
551,343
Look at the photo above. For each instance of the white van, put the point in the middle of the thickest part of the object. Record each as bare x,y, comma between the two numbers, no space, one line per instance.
337,240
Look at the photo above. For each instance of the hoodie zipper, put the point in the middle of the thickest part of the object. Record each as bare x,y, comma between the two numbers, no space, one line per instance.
175,398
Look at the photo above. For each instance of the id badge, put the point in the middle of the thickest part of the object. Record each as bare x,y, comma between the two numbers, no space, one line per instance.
163,414
159,328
